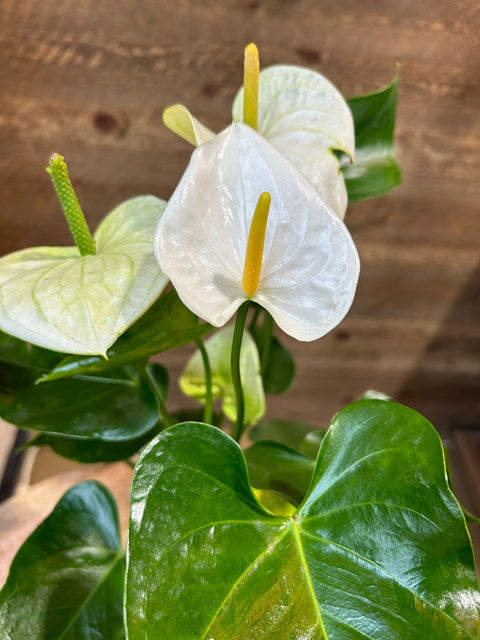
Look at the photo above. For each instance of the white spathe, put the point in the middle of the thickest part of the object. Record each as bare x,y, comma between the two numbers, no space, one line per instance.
305,117
55,298
310,264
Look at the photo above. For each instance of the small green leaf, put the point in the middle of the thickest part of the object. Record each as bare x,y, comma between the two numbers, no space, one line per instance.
219,346
66,581
89,419
375,170
277,467
168,324
60,300
379,548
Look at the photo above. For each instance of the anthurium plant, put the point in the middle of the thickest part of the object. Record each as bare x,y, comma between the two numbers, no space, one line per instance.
243,526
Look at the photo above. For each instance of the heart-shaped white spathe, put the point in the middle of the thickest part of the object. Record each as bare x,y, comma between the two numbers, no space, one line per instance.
55,298
310,264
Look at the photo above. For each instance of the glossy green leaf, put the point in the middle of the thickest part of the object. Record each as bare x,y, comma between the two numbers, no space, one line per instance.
375,170
60,300
22,363
168,324
89,419
379,548
277,467
287,432
219,347
66,581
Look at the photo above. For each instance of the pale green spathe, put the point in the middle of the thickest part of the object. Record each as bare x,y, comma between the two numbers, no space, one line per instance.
57,299
219,346
179,119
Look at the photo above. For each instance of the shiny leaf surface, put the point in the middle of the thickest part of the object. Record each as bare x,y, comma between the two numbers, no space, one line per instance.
378,549
66,581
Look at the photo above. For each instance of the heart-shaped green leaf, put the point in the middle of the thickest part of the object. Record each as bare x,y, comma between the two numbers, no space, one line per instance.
66,581
57,299
379,548
168,324
375,170
89,419
219,347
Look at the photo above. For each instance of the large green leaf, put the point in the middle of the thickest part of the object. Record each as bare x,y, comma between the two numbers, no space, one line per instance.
379,548
66,581
375,170
89,418
56,298
168,324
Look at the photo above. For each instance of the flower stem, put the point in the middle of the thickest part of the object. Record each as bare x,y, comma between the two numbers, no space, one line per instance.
267,334
167,417
238,427
208,411
253,321
82,237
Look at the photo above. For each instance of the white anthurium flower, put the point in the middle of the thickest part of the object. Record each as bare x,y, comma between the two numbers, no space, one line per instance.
303,115
309,265
58,299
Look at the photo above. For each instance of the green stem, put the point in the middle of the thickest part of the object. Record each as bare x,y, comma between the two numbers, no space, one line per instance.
256,313
267,334
167,417
208,411
58,171
238,427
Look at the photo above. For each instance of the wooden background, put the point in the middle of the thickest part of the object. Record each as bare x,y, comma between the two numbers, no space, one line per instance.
89,79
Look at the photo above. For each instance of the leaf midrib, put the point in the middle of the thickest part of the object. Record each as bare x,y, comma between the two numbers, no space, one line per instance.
113,564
